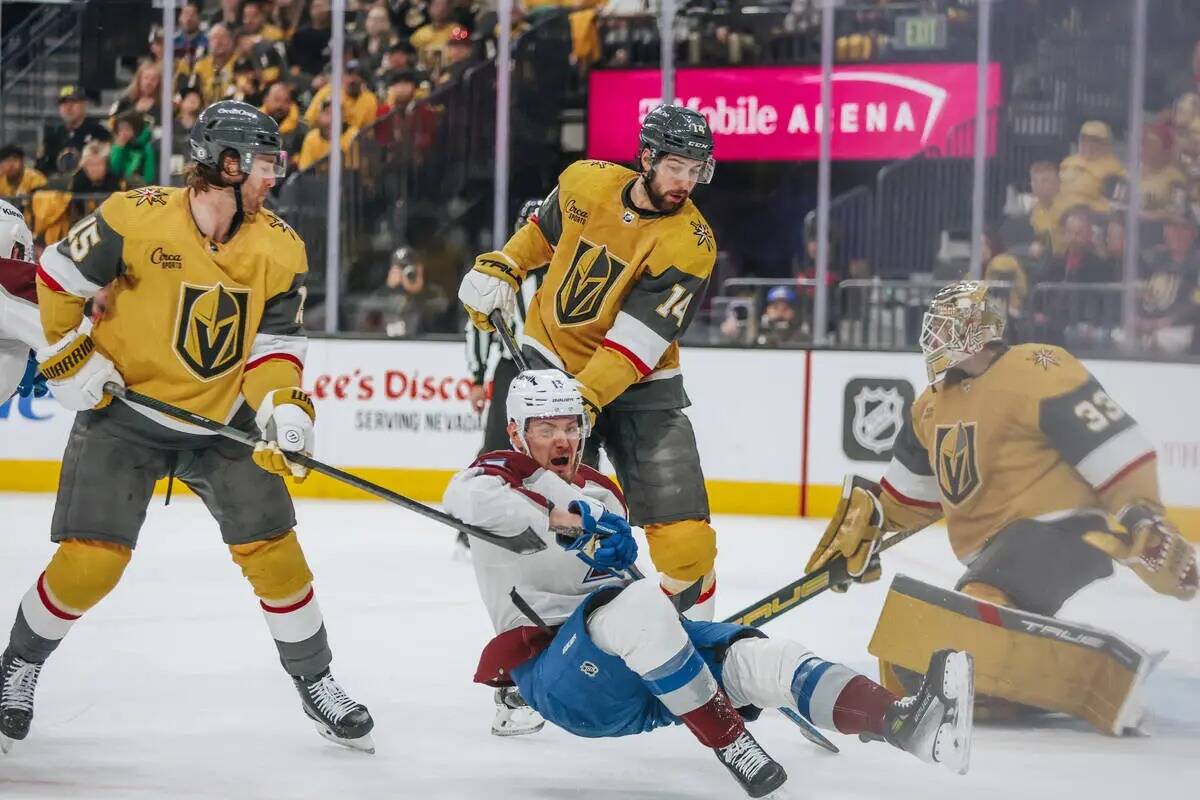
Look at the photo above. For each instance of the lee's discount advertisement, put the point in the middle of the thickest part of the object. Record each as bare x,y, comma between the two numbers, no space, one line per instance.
389,404
773,113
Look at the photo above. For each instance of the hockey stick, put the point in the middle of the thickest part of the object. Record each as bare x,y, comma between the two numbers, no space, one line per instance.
806,587
524,543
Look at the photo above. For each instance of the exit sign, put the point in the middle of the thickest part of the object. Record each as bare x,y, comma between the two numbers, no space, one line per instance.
923,32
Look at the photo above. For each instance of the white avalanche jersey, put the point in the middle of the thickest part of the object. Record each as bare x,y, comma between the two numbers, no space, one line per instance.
20,323
506,492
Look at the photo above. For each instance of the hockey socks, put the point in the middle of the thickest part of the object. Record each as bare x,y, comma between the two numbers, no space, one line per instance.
836,698
42,622
298,628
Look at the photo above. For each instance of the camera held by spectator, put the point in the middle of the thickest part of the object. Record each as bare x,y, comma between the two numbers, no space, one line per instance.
779,324
405,301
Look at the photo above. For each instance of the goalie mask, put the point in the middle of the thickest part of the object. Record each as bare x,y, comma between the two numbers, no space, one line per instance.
16,241
541,394
962,319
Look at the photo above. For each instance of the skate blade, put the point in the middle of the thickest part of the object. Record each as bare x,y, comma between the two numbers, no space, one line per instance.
514,730
808,730
6,744
953,743
363,744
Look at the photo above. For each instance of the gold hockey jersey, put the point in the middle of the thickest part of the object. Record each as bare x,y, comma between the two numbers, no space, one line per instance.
195,323
1033,437
622,286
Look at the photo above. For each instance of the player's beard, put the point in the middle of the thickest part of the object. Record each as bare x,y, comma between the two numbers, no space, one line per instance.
658,199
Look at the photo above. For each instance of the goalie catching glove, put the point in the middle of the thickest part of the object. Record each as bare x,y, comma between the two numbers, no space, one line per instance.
854,533
490,285
76,371
286,420
1153,548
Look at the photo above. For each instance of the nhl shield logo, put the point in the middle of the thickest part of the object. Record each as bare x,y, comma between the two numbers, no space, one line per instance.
957,464
210,333
874,410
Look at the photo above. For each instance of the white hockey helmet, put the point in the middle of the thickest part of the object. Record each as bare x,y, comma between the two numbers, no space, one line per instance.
16,240
541,393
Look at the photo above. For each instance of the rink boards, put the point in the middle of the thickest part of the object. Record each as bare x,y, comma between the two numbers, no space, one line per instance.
777,430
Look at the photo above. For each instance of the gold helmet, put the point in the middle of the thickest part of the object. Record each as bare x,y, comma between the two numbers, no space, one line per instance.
962,319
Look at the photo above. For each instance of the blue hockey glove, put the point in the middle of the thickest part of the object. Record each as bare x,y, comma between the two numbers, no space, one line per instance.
610,544
33,383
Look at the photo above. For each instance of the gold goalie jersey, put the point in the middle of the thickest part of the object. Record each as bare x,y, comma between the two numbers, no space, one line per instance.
1033,437
621,288
192,322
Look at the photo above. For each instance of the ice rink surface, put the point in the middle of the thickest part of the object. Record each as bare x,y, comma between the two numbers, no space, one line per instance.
171,688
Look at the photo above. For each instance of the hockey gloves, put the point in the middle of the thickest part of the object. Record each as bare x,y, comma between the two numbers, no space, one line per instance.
76,371
33,383
492,284
608,543
1153,548
854,533
286,420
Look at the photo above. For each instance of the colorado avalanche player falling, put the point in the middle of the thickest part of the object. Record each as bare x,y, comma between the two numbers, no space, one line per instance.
600,655
20,326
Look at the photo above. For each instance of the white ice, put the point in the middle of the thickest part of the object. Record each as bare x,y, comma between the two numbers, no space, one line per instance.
171,688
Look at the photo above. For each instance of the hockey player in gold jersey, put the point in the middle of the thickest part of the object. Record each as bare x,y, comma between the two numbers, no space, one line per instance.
630,256
1029,460
206,309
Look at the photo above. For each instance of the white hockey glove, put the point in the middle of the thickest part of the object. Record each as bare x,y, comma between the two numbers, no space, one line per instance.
489,286
76,371
286,419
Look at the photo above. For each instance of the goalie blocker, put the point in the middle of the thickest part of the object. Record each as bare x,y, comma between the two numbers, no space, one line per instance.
1019,656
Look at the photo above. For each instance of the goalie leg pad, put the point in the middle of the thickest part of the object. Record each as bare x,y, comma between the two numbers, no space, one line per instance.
1019,656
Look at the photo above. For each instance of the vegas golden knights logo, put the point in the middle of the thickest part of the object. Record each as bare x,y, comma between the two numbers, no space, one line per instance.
210,335
588,280
957,462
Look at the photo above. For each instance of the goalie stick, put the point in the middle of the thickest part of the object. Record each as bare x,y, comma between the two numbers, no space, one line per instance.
524,543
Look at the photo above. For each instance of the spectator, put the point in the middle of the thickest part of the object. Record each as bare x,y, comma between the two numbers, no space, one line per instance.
1161,179
190,102
63,143
93,178
400,57
255,24
227,14
143,94
1081,261
1087,174
1113,250
307,49
779,324
1170,297
215,70
1001,266
279,105
430,39
1046,215
134,156
376,40
405,304
190,40
287,15
316,142
360,106
15,177
407,16
246,84
460,56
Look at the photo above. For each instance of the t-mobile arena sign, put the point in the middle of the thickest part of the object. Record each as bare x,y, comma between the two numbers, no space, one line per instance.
881,111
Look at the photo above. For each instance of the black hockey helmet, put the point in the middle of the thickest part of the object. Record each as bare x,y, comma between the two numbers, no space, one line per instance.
675,130
240,127
528,209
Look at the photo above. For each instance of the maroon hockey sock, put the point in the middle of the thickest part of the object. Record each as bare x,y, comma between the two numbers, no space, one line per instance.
862,706
716,723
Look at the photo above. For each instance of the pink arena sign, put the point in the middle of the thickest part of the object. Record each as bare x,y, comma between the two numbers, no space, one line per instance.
882,111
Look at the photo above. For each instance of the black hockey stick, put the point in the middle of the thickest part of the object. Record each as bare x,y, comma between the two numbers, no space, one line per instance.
806,587
524,543
506,336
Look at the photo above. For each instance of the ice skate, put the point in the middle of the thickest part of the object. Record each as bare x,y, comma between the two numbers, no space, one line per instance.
935,723
514,717
338,717
16,698
754,770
